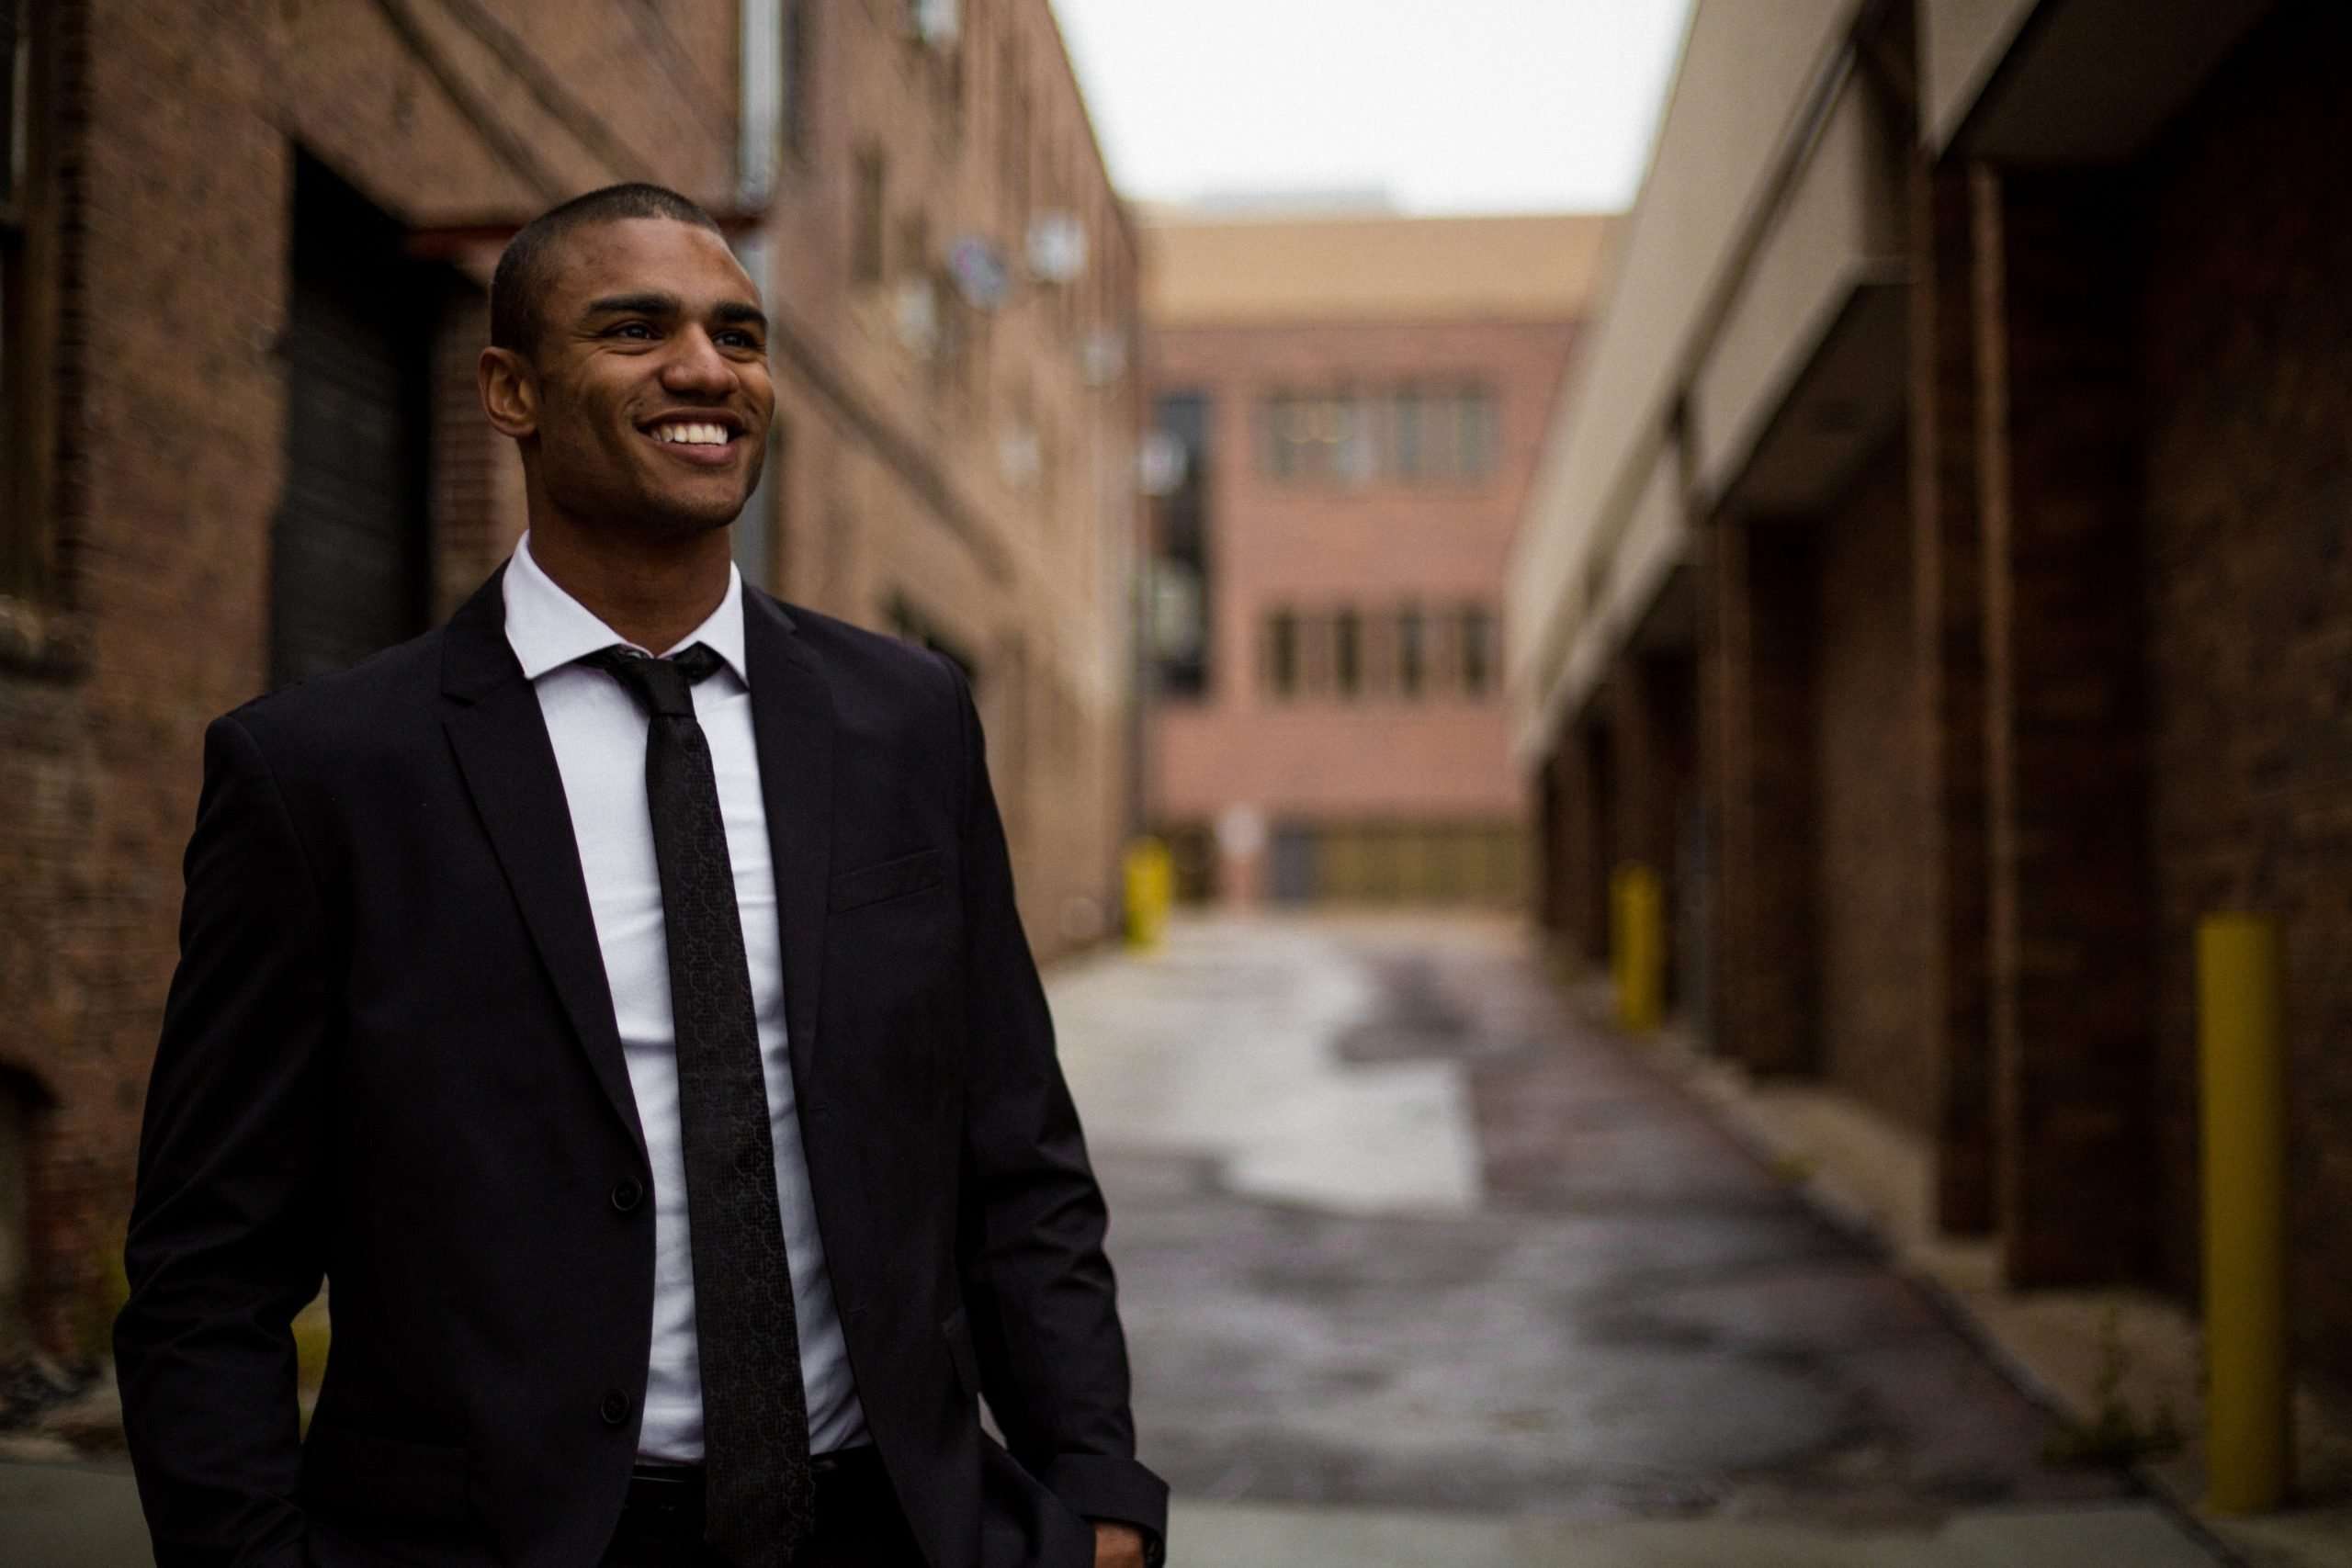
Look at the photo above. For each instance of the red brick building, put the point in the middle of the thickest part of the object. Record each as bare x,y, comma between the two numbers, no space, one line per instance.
1349,409
1944,577
243,277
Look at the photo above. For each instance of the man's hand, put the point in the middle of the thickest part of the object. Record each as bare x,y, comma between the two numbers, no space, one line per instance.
1117,1546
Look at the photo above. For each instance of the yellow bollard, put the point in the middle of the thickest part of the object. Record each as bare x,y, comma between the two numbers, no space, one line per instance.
1637,953
2249,1423
1150,888
1617,971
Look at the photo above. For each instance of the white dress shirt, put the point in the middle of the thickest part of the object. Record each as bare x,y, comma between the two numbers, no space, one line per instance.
599,734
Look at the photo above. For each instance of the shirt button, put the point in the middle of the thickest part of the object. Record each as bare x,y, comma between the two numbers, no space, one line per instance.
615,1407
628,1192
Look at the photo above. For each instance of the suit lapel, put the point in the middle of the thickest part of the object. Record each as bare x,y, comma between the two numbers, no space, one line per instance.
792,724
495,727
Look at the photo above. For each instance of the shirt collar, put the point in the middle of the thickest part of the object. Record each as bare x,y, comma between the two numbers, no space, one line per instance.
548,628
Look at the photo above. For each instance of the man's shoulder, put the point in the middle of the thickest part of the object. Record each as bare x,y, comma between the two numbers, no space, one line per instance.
340,711
858,657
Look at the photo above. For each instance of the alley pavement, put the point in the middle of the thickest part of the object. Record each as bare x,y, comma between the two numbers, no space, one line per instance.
1421,1271
1418,1269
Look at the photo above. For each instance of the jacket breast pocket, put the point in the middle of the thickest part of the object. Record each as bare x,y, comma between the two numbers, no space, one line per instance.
898,877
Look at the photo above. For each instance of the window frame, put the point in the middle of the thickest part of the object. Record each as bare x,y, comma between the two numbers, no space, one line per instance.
1348,435
1478,634
1282,677
1347,653
1412,652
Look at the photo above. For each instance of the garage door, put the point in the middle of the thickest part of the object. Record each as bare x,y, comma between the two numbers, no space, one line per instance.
349,556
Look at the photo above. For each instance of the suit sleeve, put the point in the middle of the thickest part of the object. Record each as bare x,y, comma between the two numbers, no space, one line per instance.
1038,1289
225,1245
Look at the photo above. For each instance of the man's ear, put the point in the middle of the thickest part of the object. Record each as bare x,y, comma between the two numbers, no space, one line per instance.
510,393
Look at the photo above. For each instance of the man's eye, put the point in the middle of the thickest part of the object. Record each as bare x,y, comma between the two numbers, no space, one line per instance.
743,340
637,328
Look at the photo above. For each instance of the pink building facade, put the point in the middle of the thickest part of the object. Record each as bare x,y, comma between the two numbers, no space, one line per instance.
1342,478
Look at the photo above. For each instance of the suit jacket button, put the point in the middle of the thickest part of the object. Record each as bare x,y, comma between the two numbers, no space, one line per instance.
627,1193
615,1407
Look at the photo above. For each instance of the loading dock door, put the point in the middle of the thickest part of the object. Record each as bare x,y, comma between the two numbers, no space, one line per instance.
349,552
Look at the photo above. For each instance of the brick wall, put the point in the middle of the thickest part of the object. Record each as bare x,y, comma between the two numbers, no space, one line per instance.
1872,925
2058,254
174,178
1555,900
1758,762
1023,569
1652,743
477,480
2249,570
1947,649
445,123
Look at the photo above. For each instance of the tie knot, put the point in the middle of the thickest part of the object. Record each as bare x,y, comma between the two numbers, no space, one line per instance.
662,687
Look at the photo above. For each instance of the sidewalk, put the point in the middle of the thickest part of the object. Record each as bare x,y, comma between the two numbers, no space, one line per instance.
1875,1178
70,1516
1266,1536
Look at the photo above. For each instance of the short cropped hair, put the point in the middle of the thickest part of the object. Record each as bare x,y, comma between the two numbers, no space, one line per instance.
524,267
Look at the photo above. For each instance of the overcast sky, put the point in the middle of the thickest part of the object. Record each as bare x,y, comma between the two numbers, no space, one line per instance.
1444,105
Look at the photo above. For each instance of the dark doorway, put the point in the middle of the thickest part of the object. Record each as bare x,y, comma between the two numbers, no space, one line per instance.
1290,874
350,554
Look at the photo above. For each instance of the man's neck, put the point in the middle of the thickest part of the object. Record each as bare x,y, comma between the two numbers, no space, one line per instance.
652,591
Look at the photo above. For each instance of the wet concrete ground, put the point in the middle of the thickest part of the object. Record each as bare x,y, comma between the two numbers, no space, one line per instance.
1419,1271
1393,1231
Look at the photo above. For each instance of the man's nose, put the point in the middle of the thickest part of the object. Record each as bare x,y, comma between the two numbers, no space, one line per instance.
695,365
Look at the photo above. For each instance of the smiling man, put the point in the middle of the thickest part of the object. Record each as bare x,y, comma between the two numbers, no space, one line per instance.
618,996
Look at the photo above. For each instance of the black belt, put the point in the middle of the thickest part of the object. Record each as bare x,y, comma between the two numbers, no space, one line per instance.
665,1500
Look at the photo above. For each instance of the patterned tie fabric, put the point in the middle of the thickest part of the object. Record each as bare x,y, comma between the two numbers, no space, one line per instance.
759,1492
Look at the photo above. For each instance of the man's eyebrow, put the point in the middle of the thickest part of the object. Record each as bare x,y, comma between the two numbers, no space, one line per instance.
647,304
735,312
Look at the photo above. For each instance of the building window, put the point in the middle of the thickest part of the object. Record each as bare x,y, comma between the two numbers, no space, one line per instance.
867,260
1481,435
1454,436
1478,652
1412,652
1183,572
25,235
1347,653
1314,654
1409,434
1281,653
1322,438
799,75
1405,421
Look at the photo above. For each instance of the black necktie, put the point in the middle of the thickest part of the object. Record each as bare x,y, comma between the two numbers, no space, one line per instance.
759,1494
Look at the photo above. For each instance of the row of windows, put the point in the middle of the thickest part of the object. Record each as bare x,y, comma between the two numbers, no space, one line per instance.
1411,433
1040,154
1410,652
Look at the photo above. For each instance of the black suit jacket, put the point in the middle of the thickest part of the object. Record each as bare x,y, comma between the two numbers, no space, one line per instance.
390,1059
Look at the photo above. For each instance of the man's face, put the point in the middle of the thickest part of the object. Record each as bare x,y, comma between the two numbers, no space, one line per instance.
653,398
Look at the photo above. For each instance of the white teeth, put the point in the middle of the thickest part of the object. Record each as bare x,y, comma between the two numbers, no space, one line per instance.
692,434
